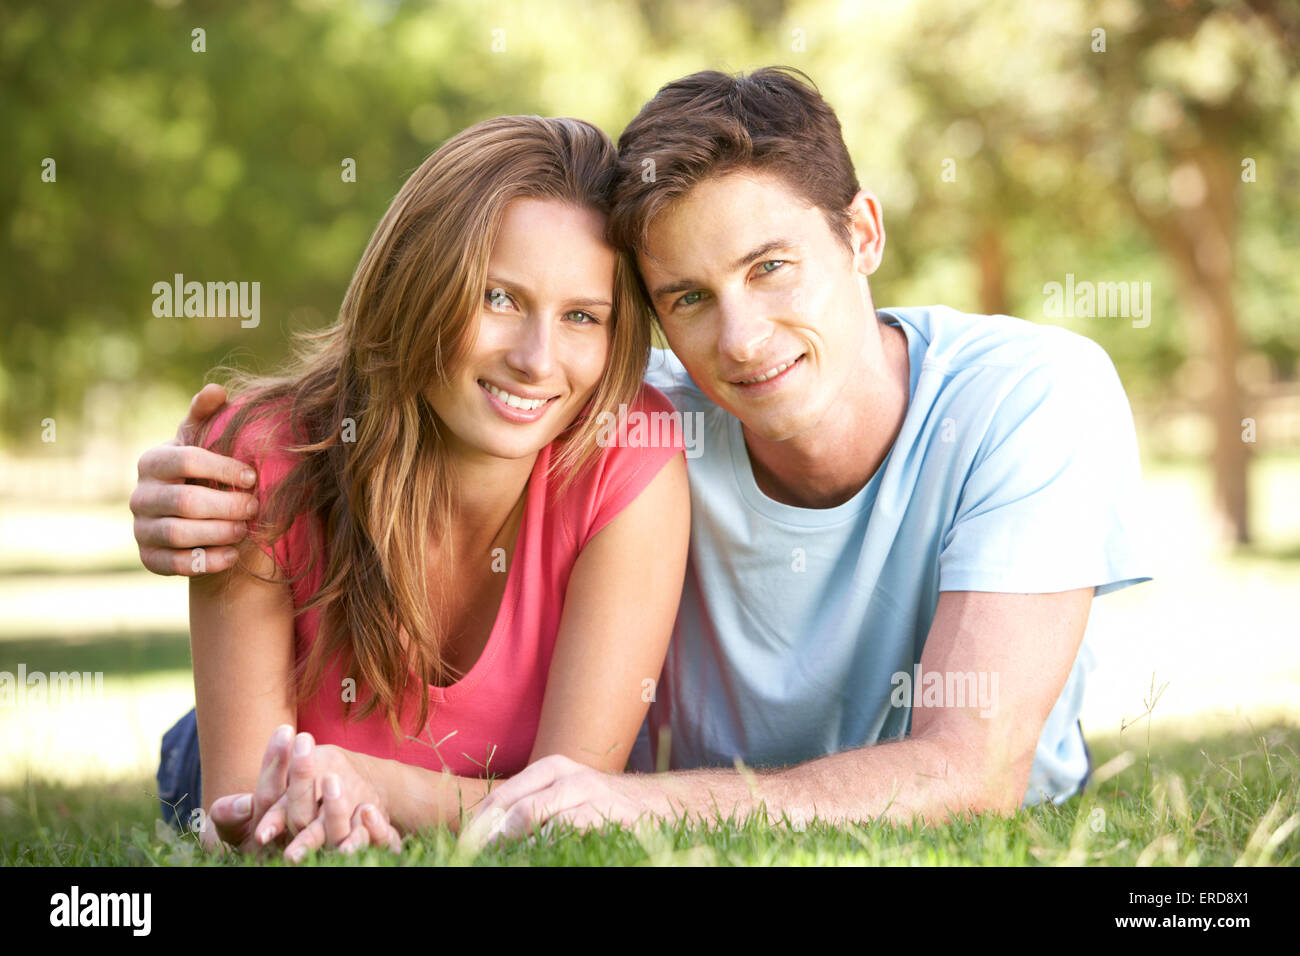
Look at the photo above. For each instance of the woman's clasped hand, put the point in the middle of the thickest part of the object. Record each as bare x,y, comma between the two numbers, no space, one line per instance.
307,797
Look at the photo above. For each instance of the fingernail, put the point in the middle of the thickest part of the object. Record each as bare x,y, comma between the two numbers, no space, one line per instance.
295,855
243,805
283,733
264,834
332,788
302,745
248,477
251,510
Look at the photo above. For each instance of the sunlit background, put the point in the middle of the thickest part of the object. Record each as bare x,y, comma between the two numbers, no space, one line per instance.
1013,144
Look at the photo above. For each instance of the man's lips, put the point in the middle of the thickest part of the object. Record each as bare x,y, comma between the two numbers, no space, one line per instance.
765,374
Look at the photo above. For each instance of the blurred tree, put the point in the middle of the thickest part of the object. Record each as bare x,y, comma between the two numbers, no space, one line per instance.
1027,120
224,164
1007,147
1191,97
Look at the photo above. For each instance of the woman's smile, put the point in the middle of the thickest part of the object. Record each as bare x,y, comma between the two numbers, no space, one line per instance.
515,405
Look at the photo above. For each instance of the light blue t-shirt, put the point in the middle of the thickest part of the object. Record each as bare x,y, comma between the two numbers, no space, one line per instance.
1016,470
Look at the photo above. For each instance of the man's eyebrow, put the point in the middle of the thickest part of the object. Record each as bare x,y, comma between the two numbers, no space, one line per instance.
681,285
589,302
763,250
758,252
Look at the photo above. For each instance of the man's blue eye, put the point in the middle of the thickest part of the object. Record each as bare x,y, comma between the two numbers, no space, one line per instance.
687,300
771,262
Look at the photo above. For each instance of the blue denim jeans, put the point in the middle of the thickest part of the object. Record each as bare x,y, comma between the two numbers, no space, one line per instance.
179,780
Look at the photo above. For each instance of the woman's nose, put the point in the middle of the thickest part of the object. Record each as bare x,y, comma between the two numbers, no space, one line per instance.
532,354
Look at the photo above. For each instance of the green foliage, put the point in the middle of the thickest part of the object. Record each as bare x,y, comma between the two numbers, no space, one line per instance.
225,164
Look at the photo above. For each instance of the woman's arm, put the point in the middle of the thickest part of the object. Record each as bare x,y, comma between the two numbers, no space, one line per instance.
241,642
618,617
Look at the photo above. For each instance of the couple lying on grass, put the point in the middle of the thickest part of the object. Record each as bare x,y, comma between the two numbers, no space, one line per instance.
466,571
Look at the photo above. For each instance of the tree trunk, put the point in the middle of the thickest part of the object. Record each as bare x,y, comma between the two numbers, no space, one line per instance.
1200,239
991,259
1215,244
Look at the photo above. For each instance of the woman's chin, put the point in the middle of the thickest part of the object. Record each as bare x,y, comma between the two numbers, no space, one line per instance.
515,447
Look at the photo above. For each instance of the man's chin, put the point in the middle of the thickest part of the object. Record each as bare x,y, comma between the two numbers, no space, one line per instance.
765,419
774,426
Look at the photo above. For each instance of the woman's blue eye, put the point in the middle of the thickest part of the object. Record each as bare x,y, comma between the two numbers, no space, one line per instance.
497,299
590,319
771,262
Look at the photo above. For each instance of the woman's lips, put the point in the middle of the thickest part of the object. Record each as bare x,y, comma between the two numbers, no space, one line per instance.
519,416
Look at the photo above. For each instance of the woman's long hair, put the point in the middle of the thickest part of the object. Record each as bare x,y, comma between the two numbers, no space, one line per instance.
407,320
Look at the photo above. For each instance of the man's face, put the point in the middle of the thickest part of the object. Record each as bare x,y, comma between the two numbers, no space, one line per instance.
765,306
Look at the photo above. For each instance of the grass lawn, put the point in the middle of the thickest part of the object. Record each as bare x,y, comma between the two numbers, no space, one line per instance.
1215,784
1225,800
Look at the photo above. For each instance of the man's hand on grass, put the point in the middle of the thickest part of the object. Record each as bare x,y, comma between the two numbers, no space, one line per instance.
556,789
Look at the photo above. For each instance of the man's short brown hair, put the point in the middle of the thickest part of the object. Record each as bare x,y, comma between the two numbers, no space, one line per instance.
710,123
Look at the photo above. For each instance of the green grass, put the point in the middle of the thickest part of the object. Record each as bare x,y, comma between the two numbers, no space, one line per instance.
1220,801
1221,798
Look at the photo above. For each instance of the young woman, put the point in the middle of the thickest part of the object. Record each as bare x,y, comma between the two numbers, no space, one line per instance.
447,577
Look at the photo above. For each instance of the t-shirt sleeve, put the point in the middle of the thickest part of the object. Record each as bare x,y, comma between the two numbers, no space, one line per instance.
635,445
259,443
1052,501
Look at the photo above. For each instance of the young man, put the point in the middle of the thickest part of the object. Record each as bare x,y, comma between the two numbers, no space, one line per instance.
899,519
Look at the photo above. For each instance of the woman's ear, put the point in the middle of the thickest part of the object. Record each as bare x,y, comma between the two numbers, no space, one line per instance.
866,232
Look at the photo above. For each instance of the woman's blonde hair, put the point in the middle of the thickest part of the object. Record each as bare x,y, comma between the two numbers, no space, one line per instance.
407,320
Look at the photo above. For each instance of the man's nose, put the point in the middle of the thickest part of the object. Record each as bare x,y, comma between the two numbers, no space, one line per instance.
532,354
742,329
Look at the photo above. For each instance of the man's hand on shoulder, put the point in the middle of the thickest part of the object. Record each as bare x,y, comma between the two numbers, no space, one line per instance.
173,518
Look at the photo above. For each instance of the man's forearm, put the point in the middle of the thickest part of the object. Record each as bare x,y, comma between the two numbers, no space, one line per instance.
900,781
417,798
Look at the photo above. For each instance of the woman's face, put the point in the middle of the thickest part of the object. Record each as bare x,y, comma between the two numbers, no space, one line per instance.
543,333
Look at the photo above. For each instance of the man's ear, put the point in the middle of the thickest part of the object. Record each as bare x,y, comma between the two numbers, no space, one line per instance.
866,232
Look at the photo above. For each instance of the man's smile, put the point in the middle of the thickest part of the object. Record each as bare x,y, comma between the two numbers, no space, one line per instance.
770,375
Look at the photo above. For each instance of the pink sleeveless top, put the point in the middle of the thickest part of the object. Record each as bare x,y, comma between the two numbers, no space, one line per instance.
487,721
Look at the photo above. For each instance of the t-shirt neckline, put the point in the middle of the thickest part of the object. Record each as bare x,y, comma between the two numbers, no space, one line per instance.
509,597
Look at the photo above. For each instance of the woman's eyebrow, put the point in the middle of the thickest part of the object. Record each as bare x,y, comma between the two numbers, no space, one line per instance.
503,283
590,302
